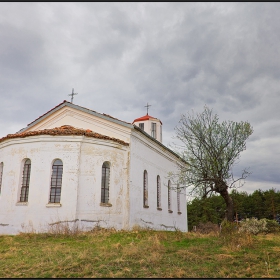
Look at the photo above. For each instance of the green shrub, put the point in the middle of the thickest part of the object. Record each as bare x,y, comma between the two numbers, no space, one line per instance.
272,226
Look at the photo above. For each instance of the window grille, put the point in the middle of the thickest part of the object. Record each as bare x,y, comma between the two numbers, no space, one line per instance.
169,195
105,182
145,189
1,174
56,181
178,199
141,125
25,181
158,192
154,132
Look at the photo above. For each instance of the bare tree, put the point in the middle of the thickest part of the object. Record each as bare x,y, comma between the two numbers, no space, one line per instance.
211,149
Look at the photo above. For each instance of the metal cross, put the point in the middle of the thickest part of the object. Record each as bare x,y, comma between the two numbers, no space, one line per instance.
147,107
72,95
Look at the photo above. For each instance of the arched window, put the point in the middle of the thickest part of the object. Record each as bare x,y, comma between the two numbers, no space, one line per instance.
56,181
178,199
145,189
1,175
158,193
25,181
105,183
169,196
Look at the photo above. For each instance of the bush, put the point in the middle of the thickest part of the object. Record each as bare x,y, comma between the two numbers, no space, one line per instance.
228,228
272,226
253,226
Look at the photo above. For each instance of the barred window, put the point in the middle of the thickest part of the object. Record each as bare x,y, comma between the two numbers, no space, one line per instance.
56,181
169,195
105,182
158,192
25,181
154,132
145,189
178,199
1,175
141,125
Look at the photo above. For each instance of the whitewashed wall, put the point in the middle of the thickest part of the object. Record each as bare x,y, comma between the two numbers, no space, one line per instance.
82,159
81,182
148,155
89,211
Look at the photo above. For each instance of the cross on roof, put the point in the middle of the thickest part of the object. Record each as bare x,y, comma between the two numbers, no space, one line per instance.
72,95
147,107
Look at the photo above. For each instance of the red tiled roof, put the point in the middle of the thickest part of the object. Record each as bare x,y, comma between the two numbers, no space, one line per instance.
63,130
145,118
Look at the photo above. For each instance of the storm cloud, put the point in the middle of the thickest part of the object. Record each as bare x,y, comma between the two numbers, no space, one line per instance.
176,56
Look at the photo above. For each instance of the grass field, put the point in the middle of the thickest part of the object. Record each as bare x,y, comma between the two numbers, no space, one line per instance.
138,254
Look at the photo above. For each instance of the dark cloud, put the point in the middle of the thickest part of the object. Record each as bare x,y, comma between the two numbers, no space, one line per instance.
119,56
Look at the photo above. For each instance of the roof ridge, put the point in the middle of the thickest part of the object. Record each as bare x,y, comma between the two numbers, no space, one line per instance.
68,103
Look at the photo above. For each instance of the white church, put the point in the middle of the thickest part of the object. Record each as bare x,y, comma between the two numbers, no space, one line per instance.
77,166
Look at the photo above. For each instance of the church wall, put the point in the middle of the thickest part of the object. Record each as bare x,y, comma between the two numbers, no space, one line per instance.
90,211
82,159
37,213
147,155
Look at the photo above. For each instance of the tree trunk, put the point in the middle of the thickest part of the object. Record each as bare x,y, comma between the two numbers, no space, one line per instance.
229,204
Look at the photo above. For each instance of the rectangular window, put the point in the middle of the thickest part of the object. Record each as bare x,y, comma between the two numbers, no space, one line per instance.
154,131
141,125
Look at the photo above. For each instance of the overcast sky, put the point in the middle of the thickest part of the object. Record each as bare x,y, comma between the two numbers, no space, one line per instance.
176,56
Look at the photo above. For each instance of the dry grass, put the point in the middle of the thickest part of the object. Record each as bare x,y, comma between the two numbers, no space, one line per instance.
138,254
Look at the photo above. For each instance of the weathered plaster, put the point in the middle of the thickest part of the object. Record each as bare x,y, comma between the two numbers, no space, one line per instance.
82,159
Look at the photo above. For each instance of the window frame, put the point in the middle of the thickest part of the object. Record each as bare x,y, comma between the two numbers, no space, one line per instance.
141,126
169,197
25,181
145,189
55,189
178,200
105,182
158,193
1,175
154,130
